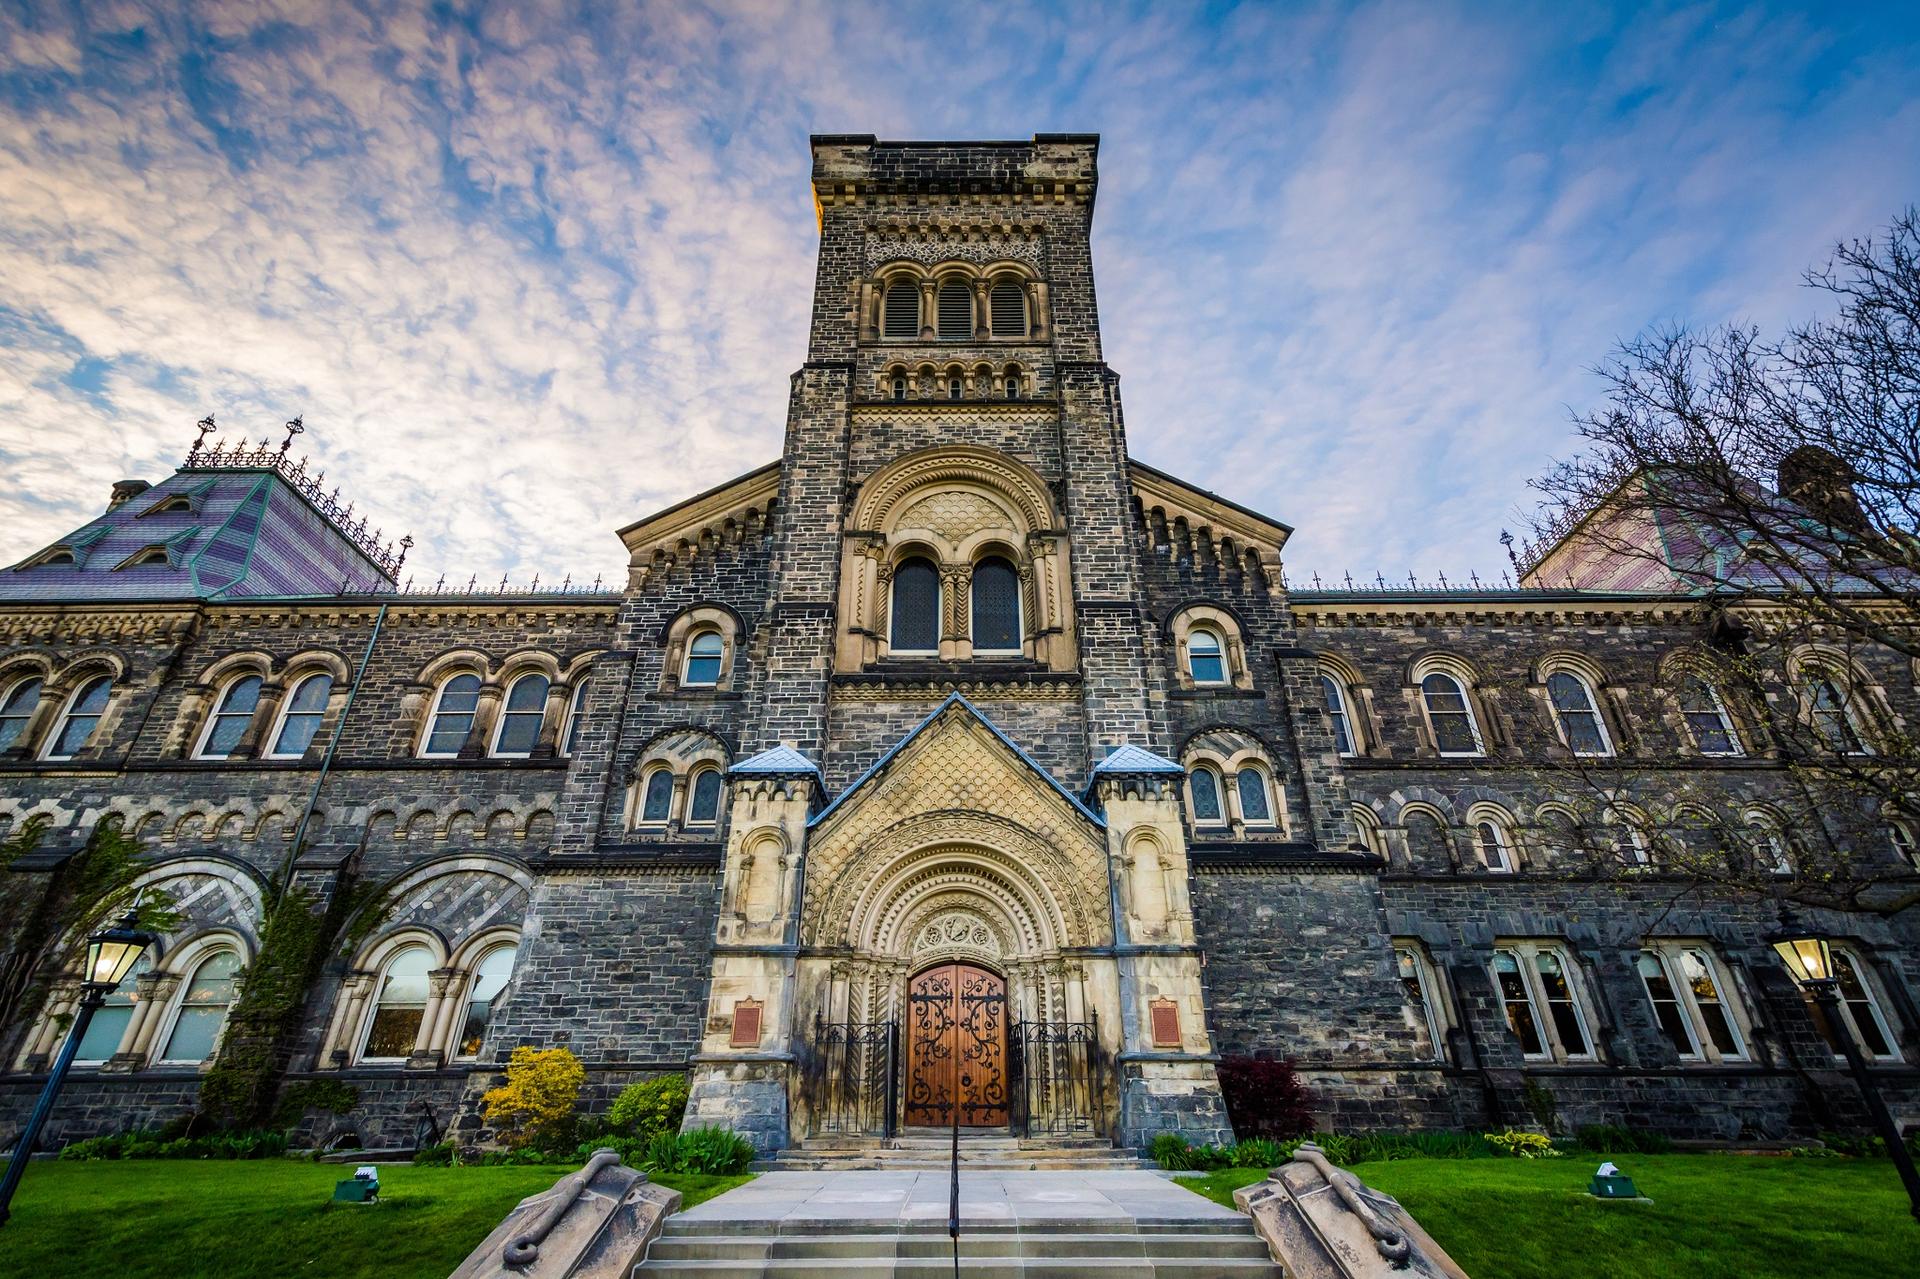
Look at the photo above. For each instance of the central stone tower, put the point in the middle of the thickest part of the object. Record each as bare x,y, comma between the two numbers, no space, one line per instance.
933,824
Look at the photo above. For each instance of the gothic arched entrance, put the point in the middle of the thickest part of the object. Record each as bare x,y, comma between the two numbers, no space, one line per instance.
956,1039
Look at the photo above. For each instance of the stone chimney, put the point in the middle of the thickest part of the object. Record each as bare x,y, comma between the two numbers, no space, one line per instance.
1821,483
125,491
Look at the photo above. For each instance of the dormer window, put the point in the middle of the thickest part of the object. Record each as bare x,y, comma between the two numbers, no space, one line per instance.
147,556
178,502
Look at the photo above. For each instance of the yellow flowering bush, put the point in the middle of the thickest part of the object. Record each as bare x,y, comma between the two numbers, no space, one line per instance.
538,1099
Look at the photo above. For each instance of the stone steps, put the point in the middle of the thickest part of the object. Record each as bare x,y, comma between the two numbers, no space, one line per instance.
697,1249
986,1154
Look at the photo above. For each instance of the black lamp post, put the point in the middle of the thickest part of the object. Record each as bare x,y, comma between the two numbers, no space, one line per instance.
1809,957
111,954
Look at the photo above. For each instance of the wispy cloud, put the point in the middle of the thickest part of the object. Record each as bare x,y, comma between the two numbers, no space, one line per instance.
533,270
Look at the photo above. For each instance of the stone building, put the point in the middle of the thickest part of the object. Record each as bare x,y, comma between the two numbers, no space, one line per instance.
953,752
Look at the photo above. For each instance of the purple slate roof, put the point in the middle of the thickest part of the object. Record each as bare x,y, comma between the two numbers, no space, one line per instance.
255,530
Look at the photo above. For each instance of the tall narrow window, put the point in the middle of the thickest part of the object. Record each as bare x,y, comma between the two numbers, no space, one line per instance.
489,979
996,607
82,716
1700,978
704,654
1831,716
1418,984
570,739
1861,1009
901,319
1449,715
1900,835
1569,1027
1496,851
452,718
899,387
1014,388
521,717
110,1020
1336,699
399,1008
956,311
956,385
656,804
1255,808
16,710
703,809
1008,304
1707,719
1516,996
916,607
1206,658
1204,786
1667,1011
203,1010
300,717
1577,716
228,723
1769,846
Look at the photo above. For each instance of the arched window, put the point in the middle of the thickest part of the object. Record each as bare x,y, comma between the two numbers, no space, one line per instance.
916,607
16,710
1707,718
956,310
901,319
1770,847
300,717
1256,809
704,652
1007,302
570,737
1337,715
80,718
1449,715
452,718
1576,716
1630,845
394,1026
228,723
1495,847
1203,786
1206,656
1366,830
656,803
996,607
1900,835
703,809
489,977
110,1020
956,385
1015,388
1831,714
1416,978
899,387
521,717
203,1010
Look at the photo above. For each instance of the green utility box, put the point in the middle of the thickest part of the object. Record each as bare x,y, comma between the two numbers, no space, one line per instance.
1611,1183
361,1188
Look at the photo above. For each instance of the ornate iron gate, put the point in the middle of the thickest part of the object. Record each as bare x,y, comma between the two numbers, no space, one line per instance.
1056,1083
856,1092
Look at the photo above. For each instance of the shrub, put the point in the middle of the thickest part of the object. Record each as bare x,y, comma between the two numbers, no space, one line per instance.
715,1151
1170,1150
1265,1098
1257,1152
440,1156
249,1144
536,1103
648,1107
1618,1139
1524,1145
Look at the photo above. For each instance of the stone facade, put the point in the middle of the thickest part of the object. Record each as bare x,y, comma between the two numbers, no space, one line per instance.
716,818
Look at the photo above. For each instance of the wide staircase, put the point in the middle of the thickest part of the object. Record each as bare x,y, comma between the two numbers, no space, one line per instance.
1065,1250
920,1152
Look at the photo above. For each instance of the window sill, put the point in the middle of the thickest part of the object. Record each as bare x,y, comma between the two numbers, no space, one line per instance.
1199,692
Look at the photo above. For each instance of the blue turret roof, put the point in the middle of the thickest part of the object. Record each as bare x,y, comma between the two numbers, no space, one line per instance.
1135,760
777,761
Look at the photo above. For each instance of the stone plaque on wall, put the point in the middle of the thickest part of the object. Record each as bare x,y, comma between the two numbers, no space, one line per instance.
1166,1023
746,1024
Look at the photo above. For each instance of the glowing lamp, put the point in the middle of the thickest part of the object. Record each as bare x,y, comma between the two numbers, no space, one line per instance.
113,951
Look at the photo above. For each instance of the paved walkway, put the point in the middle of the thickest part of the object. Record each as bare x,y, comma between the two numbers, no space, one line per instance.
796,1202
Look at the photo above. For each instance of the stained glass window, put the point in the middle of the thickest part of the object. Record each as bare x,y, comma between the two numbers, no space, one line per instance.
996,607
916,607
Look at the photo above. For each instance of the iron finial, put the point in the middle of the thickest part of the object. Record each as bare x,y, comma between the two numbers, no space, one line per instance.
295,427
206,428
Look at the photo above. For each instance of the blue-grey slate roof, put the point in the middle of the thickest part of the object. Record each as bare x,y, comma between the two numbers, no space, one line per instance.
1135,760
777,761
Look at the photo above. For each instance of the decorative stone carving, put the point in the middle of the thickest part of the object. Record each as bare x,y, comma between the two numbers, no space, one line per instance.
1322,1222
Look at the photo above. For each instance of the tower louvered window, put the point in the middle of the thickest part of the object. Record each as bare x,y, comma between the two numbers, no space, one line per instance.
902,311
956,311
1009,307
916,607
996,607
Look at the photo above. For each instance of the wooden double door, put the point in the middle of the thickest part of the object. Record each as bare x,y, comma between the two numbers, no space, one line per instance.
957,1044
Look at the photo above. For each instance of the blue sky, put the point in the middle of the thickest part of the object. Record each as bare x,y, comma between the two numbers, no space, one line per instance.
533,271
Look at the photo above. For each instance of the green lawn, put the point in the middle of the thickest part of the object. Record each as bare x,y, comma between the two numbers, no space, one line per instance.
1712,1216
268,1217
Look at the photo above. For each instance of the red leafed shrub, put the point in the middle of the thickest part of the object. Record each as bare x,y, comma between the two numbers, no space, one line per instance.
1265,1098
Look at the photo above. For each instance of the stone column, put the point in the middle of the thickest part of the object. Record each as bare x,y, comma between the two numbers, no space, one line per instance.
427,1052
151,991
254,742
40,1047
485,712
347,1010
553,720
